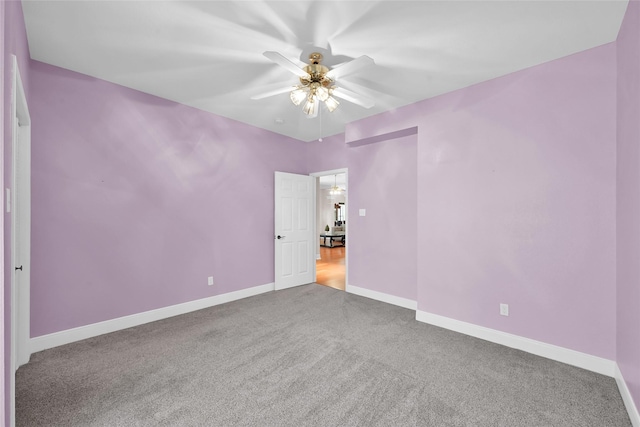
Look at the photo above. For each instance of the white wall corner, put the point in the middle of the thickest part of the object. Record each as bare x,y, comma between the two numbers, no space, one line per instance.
380,296
89,331
632,409
553,352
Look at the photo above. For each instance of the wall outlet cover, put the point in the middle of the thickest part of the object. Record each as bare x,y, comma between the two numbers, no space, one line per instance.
210,280
504,309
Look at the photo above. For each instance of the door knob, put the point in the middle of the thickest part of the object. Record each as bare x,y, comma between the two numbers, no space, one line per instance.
19,268
280,237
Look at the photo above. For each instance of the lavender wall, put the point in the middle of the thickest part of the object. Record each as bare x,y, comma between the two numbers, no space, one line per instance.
329,154
516,201
136,200
383,244
382,179
628,201
15,43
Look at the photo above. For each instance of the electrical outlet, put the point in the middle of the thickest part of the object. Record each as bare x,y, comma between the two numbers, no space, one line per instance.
210,280
504,309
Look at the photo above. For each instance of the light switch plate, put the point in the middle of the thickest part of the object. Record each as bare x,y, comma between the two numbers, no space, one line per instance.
363,212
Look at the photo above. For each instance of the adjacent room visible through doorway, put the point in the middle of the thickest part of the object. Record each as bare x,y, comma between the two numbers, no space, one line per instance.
331,228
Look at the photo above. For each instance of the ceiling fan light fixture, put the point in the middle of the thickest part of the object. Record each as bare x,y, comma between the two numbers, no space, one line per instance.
331,103
322,93
335,190
314,94
311,107
317,83
298,95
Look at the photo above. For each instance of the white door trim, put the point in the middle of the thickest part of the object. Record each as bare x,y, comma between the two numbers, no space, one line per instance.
21,143
3,396
345,171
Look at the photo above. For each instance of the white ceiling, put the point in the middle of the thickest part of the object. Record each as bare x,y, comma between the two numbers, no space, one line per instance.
208,54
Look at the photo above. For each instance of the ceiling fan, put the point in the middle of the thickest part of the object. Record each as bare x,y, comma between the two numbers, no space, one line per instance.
317,83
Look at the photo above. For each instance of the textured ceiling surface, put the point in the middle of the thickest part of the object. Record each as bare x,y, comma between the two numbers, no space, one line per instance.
208,54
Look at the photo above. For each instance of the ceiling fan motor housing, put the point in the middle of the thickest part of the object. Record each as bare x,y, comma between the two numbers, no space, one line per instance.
317,72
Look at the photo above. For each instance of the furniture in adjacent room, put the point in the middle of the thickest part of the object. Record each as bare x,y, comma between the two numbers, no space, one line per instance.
333,238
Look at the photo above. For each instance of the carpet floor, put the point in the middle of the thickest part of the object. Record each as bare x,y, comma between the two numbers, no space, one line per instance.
307,356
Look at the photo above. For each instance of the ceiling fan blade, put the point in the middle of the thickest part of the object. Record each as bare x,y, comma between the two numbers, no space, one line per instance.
353,97
273,92
284,62
350,67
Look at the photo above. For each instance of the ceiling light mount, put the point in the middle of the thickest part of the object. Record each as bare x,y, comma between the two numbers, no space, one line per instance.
315,87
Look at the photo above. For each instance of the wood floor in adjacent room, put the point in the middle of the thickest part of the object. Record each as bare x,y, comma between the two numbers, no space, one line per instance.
330,268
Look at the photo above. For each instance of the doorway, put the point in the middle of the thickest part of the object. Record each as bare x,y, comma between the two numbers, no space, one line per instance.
331,228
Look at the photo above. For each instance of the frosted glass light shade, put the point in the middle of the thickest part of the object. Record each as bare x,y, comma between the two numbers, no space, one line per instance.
322,93
297,96
310,107
331,103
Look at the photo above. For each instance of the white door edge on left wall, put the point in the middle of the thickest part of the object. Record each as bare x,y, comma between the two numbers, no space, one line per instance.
20,230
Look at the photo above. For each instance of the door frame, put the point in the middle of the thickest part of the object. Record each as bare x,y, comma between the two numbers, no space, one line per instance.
20,301
315,219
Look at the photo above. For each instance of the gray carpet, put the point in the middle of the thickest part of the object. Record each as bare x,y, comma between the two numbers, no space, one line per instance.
308,356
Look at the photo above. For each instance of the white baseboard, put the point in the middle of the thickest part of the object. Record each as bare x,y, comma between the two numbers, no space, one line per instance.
83,332
379,296
632,410
553,352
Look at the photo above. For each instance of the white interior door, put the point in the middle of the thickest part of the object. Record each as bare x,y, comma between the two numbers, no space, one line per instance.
294,225
21,227
19,203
